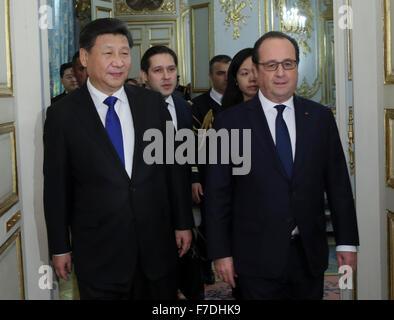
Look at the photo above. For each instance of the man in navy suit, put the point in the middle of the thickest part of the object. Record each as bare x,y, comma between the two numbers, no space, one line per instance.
268,227
159,72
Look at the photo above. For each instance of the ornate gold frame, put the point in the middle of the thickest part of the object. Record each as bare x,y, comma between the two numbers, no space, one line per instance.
388,68
17,238
169,7
7,90
388,135
390,252
13,198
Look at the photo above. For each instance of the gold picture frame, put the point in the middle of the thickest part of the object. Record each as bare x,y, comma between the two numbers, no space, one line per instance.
6,85
388,135
390,252
17,238
388,6
13,197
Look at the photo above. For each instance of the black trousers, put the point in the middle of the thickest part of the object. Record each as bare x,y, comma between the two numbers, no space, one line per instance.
297,283
142,288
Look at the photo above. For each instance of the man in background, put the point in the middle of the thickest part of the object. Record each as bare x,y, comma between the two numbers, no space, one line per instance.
205,107
159,66
80,72
68,81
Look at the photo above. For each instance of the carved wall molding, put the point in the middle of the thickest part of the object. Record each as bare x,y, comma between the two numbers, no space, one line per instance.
167,7
233,9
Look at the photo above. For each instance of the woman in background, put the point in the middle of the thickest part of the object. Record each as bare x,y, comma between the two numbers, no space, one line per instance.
241,86
241,82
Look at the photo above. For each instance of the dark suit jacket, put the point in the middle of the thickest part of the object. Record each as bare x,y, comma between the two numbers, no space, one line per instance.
114,220
202,104
58,97
251,217
183,112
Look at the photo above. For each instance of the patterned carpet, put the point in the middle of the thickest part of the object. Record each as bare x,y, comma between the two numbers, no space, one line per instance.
222,291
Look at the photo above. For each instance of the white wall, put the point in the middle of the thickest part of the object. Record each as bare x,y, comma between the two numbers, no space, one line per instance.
31,89
369,137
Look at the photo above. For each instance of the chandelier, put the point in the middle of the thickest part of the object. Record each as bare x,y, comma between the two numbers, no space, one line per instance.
292,21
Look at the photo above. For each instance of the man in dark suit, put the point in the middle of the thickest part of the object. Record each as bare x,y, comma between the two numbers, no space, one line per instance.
129,220
205,107
68,80
159,66
268,227
80,71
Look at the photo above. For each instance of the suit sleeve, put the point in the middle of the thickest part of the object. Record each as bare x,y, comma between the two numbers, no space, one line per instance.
218,205
339,192
179,188
56,184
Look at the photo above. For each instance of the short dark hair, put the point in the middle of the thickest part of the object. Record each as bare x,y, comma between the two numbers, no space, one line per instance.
152,51
99,27
75,57
219,58
64,67
278,35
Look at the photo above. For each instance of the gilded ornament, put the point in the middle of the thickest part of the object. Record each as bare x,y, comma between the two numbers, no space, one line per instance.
143,7
233,10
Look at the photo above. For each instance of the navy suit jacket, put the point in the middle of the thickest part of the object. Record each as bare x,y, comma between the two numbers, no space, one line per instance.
183,112
250,217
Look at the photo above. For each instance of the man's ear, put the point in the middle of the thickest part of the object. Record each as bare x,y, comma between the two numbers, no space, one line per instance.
210,77
83,56
144,76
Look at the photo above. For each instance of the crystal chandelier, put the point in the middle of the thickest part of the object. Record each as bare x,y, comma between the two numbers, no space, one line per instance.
292,21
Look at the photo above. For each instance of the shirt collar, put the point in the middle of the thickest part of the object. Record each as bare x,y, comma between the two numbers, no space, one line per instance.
268,104
100,96
170,101
216,96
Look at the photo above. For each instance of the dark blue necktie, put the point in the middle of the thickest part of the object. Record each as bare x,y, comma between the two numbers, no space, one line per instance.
283,143
113,127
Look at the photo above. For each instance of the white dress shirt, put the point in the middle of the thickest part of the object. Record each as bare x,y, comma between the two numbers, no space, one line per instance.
122,108
172,110
289,117
216,96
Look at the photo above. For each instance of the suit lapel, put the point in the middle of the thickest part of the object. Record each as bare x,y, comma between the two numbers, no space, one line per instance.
139,120
261,130
92,123
302,117
180,115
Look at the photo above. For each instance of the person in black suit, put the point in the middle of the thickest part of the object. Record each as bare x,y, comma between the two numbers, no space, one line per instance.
268,227
159,66
67,79
80,71
129,220
205,107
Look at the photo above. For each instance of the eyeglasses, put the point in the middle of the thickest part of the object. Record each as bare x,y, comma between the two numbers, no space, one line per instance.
273,66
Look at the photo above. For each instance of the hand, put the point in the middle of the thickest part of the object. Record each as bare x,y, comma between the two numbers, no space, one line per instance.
347,258
62,265
224,269
183,240
196,192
